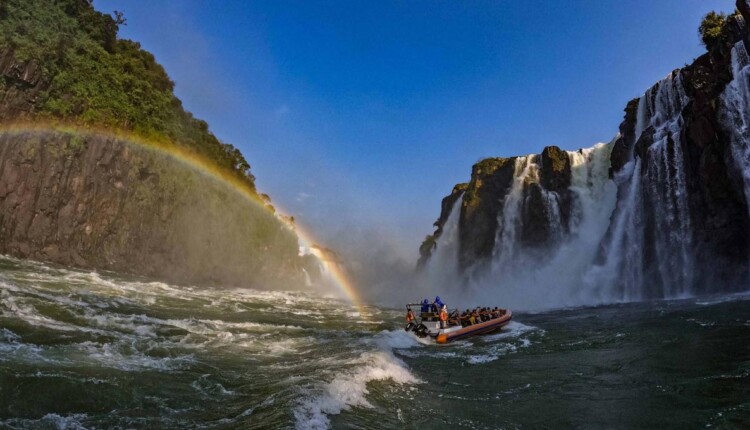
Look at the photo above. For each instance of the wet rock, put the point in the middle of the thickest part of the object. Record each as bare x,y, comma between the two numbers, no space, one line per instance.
555,169
626,139
25,84
446,206
89,206
744,7
483,202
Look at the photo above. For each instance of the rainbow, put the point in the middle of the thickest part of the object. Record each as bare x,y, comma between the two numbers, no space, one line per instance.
201,164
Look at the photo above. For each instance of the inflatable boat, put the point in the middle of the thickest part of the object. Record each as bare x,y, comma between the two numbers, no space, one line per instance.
444,326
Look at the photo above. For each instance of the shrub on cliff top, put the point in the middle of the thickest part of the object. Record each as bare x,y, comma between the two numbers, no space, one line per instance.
95,78
711,27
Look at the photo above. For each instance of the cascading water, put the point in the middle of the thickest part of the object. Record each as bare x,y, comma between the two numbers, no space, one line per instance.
328,263
551,275
508,244
652,206
623,262
643,234
444,261
735,115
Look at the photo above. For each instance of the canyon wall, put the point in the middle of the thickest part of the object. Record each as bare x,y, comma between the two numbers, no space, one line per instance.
660,211
104,203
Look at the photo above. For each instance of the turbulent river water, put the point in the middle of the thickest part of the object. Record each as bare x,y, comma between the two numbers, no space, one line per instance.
86,350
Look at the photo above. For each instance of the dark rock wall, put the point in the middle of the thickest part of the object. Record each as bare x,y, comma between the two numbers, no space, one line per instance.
491,180
101,203
23,85
446,207
484,201
718,210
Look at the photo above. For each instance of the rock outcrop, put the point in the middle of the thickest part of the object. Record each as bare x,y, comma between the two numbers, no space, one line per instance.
544,176
24,83
446,206
103,203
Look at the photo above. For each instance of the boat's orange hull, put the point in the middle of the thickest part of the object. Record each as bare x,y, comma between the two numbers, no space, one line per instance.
476,329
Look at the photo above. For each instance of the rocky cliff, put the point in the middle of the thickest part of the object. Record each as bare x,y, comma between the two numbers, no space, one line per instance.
669,218
92,200
104,203
484,200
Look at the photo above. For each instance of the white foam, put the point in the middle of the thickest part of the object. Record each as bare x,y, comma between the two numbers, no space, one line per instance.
8,336
210,388
349,389
69,422
399,339
513,329
129,358
479,359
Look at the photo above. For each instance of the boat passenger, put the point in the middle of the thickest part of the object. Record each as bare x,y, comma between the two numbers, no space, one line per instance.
437,304
410,320
444,317
425,306
453,318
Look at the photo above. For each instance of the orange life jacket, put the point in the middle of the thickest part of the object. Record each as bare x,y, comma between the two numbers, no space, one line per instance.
409,317
443,315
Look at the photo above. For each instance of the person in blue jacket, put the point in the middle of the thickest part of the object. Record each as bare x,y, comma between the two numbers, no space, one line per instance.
425,305
438,304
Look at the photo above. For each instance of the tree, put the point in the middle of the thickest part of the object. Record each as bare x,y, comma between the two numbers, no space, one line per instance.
711,28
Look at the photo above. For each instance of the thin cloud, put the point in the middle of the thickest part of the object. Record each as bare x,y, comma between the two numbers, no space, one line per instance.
302,196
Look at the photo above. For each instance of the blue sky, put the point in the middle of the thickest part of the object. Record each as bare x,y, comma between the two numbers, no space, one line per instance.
359,116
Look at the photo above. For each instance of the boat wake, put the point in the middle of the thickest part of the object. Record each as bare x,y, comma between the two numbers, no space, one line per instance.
349,388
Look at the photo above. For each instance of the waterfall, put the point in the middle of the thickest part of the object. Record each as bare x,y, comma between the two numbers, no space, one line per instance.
444,260
628,238
666,189
619,277
308,279
735,115
550,275
652,208
508,240
509,222
329,264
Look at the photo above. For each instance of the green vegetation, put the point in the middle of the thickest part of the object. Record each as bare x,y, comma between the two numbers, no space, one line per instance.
459,188
488,166
96,79
428,244
711,28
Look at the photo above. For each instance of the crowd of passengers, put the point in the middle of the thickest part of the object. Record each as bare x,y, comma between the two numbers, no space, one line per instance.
465,319
476,316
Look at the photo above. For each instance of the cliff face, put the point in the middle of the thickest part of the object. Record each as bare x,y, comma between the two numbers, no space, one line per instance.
484,200
102,203
24,85
677,177
86,200
687,171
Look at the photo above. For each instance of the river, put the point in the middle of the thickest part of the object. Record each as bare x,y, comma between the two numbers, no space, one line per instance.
86,350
